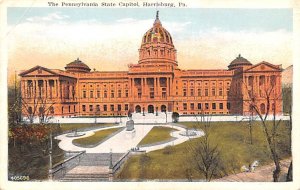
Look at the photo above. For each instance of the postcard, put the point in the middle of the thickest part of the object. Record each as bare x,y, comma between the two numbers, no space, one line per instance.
148,94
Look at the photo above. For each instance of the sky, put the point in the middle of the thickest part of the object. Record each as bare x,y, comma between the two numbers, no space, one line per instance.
109,39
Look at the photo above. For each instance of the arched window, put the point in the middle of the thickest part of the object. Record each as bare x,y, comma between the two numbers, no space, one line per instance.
163,108
138,109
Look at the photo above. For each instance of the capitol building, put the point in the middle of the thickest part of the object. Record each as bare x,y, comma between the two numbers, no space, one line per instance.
155,84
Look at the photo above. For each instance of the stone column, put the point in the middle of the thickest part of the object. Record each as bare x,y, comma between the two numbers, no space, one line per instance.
130,88
55,88
62,90
36,88
157,86
48,89
167,87
24,89
58,89
154,86
143,87
44,89
255,85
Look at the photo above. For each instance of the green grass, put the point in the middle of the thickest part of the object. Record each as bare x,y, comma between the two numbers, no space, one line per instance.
73,126
96,138
157,134
232,139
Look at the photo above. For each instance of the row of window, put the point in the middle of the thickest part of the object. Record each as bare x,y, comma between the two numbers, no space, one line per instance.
206,92
205,83
105,94
112,107
104,85
205,106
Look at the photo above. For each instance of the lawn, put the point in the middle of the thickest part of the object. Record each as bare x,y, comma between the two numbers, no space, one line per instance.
232,139
72,126
157,134
95,139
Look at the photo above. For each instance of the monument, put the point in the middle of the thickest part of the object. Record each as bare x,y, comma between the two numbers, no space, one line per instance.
130,130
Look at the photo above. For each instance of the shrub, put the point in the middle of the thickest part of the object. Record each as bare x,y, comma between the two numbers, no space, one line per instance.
175,117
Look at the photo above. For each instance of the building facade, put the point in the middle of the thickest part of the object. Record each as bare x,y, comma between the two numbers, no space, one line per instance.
154,84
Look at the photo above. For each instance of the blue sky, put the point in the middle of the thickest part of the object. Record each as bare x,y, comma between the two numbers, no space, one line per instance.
109,39
201,19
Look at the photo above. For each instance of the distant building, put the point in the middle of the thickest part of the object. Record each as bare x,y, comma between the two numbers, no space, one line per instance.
154,84
287,76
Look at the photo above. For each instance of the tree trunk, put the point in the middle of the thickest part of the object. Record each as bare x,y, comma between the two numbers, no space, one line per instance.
289,176
276,172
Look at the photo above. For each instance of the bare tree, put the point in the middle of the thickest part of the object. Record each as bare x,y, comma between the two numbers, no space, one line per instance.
37,107
205,155
264,106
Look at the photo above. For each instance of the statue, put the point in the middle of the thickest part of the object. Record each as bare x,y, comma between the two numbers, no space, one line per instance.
130,125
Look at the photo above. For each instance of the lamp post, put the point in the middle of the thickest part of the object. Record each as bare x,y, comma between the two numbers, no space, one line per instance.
50,156
110,159
143,111
166,116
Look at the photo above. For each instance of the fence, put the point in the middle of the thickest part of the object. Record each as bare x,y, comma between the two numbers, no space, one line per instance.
60,169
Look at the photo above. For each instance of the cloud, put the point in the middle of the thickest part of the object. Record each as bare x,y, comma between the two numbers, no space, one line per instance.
126,20
112,46
50,17
216,49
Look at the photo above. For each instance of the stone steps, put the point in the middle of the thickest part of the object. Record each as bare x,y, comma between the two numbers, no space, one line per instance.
87,173
92,167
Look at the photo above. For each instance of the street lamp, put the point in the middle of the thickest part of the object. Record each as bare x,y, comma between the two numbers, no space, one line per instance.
166,116
110,160
50,156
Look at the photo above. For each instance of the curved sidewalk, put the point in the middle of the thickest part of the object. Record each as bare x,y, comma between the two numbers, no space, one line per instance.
124,141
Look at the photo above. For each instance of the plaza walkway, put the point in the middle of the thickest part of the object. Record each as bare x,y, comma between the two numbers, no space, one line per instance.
124,140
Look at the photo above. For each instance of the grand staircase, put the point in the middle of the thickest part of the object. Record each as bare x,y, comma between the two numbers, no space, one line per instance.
92,167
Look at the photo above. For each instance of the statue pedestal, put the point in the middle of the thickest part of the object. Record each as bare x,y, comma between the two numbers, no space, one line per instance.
130,134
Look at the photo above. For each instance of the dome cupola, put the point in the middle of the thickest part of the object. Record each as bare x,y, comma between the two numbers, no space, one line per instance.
239,62
157,34
77,66
157,45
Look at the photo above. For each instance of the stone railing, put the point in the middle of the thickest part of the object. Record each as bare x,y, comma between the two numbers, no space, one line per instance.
60,169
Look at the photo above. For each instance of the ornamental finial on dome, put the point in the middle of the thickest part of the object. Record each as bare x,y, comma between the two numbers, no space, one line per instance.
157,21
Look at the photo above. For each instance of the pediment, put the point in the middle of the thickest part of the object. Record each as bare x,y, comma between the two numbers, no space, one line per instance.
38,71
263,67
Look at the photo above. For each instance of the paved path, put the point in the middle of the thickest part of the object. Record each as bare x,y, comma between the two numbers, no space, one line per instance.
124,140
179,138
261,174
